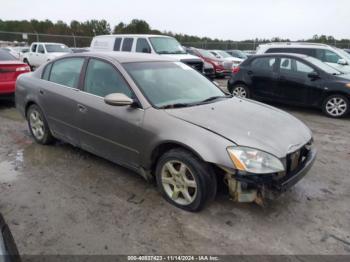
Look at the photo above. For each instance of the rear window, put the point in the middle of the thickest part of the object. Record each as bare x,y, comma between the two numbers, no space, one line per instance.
117,43
5,56
127,44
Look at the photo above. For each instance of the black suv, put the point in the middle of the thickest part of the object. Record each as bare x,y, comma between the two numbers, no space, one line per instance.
294,79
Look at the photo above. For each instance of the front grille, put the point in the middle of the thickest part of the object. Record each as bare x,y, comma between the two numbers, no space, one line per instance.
195,64
295,160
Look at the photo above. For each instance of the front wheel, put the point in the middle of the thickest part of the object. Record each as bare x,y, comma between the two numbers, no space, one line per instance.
336,106
38,126
240,90
184,180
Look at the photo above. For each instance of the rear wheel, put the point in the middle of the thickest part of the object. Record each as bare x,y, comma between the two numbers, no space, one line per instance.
184,180
38,126
336,106
240,90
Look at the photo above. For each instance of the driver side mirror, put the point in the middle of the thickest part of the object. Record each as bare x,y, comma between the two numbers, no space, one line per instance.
313,75
342,62
118,99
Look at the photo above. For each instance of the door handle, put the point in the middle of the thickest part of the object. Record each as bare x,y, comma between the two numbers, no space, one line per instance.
82,108
250,72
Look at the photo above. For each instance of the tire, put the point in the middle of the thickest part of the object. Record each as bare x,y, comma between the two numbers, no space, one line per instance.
240,90
38,126
179,174
336,106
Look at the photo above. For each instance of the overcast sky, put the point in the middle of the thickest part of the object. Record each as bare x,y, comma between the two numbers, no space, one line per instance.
223,19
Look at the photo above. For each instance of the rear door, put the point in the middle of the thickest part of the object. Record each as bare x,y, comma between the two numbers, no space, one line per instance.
263,75
58,96
108,131
293,81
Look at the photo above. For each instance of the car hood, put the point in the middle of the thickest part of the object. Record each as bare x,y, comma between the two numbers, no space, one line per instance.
248,123
57,54
182,56
342,68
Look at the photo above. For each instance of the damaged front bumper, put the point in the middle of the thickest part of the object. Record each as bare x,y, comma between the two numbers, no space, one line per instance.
257,188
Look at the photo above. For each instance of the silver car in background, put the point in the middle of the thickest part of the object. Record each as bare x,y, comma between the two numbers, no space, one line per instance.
167,122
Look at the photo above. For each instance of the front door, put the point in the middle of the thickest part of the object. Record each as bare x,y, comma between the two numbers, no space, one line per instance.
294,82
109,131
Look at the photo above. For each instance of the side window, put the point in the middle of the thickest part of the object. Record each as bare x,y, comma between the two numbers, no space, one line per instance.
33,48
294,67
41,49
142,46
46,73
285,64
117,43
277,50
303,68
264,64
127,44
327,56
67,71
102,79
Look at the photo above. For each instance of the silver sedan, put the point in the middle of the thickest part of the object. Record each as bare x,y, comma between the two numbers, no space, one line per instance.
167,122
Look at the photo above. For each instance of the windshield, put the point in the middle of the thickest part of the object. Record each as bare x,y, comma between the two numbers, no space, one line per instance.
166,45
344,54
239,54
170,83
5,56
206,53
323,66
57,48
223,54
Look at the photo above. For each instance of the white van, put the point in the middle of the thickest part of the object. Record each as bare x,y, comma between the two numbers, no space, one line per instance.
156,44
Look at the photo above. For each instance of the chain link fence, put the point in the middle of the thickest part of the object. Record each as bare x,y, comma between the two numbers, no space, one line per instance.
22,39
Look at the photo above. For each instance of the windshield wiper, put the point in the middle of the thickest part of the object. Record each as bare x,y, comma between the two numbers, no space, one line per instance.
212,98
176,105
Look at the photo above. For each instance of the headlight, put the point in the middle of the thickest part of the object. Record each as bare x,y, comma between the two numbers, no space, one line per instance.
254,161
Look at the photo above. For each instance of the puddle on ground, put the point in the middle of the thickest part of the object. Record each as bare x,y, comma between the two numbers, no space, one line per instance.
8,172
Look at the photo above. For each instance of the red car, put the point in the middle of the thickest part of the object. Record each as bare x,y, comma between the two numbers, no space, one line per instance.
221,67
10,69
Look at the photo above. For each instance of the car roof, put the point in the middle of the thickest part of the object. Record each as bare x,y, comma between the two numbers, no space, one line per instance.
281,54
294,44
48,43
125,57
132,35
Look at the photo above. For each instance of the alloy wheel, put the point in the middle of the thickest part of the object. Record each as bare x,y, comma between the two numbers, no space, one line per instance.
239,91
37,124
336,106
178,182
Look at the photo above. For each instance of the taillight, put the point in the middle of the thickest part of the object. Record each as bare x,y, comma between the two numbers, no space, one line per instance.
235,70
22,68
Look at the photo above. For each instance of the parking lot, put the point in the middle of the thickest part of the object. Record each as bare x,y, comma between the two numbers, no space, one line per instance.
61,200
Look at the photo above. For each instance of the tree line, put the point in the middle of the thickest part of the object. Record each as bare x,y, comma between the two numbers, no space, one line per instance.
94,27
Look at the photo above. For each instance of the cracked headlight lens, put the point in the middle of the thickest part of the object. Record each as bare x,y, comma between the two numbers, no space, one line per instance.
254,161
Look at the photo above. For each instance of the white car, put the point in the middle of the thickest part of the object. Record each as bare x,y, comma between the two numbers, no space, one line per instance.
40,53
226,56
335,57
152,44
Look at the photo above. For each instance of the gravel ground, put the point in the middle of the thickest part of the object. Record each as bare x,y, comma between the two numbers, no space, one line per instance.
61,200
